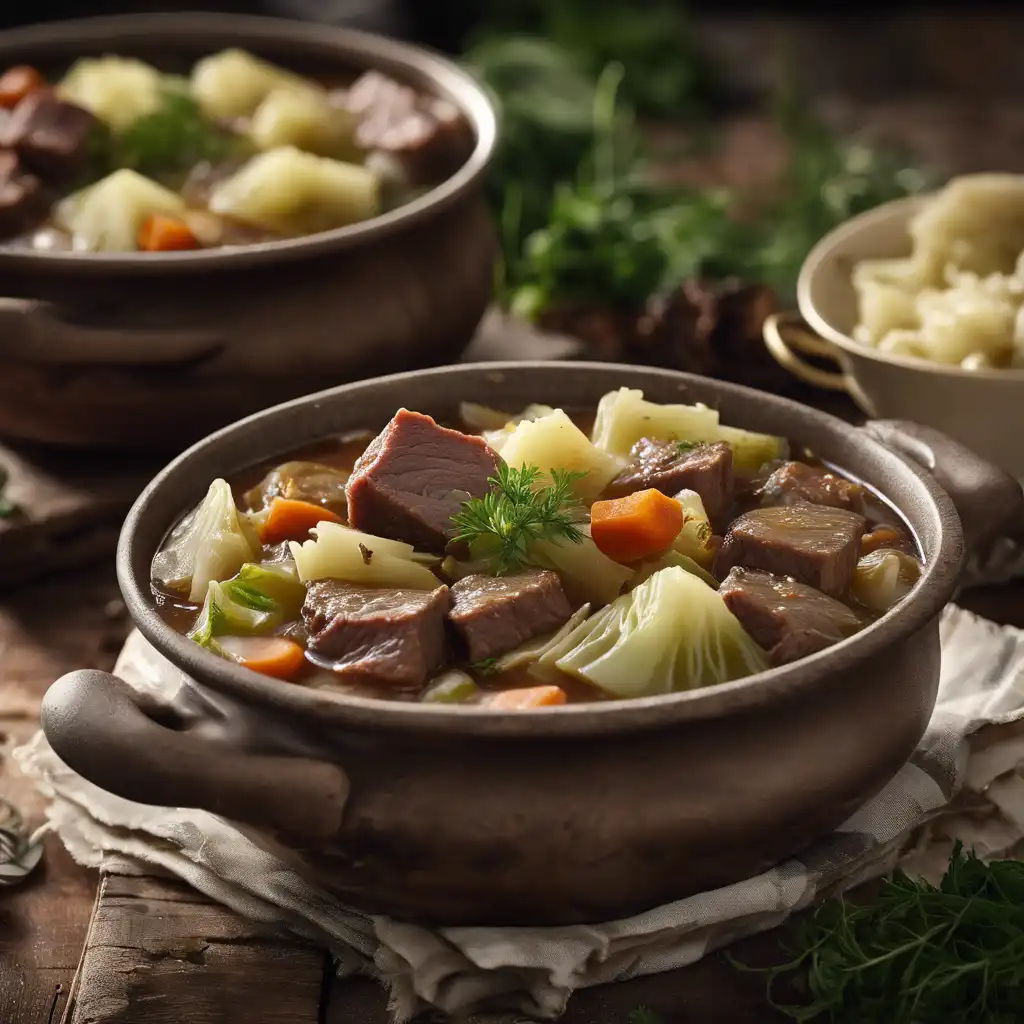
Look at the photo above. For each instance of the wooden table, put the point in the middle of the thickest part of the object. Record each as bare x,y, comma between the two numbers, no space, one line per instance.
161,954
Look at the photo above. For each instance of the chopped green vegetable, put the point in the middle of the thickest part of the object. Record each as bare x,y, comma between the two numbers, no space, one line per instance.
254,602
917,954
170,141
452,687
674,558
671,633
486,666
502,526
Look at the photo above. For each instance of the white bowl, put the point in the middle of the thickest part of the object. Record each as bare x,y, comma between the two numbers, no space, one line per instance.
983,409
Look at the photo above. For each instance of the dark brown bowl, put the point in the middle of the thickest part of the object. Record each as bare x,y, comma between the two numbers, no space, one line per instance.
155,350
578,813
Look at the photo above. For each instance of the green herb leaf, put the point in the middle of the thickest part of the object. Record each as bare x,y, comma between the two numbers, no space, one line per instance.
7,507
918,954
166,144
501,526
485,667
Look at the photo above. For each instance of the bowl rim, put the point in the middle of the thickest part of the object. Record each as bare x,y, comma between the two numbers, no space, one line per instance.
912,614
824,252
466,92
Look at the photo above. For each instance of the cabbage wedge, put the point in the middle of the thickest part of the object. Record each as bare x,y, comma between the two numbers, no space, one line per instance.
884,577
671,633
212,542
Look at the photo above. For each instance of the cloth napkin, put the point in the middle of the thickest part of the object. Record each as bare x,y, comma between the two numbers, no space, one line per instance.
966,780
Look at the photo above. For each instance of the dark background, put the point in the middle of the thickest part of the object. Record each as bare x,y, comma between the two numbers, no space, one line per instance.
865,50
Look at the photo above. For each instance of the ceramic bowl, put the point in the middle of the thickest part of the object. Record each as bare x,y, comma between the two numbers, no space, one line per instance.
585,812
984,409
155,350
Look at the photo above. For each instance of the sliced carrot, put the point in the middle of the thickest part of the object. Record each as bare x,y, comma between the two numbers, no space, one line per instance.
274,656
16,83
637,526
880,537
160,233
291,519
531,697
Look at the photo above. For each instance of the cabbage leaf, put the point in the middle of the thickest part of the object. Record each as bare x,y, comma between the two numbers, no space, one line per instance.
884,577
671,633
212,542
341,553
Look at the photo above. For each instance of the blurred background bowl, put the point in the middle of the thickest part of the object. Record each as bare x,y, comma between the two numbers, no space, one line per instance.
150,352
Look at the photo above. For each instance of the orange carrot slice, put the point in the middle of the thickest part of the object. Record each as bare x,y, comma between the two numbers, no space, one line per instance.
160,233
291,519
532,697
16,83
274,656
637,526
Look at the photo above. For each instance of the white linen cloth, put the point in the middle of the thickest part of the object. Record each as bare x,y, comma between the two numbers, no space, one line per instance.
966,780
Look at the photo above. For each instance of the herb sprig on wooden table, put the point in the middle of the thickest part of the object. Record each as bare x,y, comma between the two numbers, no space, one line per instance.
918,953
586,221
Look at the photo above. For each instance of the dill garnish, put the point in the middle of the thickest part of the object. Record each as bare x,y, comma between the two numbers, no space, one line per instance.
501,526
918,954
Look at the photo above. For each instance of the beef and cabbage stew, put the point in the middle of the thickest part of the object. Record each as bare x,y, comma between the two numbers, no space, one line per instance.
518,561
118,156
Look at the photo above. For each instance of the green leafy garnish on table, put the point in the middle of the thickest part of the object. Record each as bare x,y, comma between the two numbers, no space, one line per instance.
917,954
519,510
585,221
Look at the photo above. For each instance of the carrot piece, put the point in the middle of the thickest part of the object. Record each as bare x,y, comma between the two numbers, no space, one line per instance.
879,537
160,233
274,656
531,697
637,526
16,83
291,519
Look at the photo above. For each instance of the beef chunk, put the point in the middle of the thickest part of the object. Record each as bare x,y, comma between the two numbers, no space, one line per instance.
671,466
390,636
428,136
51,137
23,203
494,615
813,544
788,619
794,482
414,477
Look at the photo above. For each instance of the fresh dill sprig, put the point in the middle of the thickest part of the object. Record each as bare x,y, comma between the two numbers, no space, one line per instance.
917,954
501,526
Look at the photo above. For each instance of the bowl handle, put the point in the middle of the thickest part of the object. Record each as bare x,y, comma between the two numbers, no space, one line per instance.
32,331
988,500
102,729
786,336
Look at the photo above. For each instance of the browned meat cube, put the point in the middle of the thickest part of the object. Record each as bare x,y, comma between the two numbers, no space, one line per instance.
50,136
388,636
428,136
796,481
673,466
788,619
814,544
414,477
23,201
494,615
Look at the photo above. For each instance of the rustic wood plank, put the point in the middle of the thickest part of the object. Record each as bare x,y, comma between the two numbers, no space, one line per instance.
154,956
43,922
